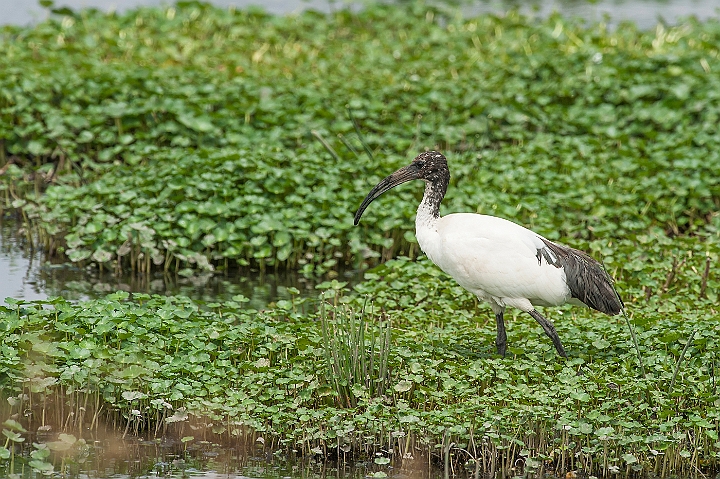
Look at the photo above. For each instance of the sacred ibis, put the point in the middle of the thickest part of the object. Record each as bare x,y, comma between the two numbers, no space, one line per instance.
497,260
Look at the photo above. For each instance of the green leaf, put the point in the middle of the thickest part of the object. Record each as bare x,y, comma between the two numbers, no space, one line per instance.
41,466
629,458
13,425
13,436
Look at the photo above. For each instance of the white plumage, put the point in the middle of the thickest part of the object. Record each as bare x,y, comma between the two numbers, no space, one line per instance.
490,257
497,260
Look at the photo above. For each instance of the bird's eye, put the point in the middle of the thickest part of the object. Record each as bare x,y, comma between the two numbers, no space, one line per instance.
419,164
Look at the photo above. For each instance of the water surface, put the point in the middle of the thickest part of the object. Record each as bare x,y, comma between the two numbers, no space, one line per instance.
26,273
645,13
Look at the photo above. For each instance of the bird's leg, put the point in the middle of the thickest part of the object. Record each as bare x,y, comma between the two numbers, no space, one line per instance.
501,340
550,331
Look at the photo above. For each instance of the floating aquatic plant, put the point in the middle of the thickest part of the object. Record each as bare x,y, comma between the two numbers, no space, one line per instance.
194,137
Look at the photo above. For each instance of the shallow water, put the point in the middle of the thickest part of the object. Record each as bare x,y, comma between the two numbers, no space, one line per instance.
118,458
82,448
26,274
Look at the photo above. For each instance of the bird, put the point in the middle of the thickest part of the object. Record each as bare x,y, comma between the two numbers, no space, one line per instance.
497,260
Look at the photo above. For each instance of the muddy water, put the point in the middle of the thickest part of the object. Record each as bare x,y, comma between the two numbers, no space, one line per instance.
120,458
59,438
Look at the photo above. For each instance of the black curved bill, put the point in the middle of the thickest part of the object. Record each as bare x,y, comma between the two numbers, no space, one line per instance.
401,176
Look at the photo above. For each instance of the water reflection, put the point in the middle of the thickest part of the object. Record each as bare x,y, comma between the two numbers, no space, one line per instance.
118,458
18,263
26,274
50,434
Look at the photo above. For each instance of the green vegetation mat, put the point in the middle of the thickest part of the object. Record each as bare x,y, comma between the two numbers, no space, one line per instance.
191,137
415,373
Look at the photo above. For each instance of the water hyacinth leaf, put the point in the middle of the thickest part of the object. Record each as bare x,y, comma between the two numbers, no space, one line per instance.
178,416
64,443
13,425
601,344
284,252
201,124
13,436
281,238
409,419
580,396
93,227
42,467
258,240
132,371
585,428
629,459
403,386
36,148
102,256
41,384
76,255
85,136
284,305
67,438
133,395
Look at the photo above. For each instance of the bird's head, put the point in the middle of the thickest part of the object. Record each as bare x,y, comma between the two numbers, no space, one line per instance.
429,166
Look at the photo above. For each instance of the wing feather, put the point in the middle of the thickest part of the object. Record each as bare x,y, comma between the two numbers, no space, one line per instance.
587,279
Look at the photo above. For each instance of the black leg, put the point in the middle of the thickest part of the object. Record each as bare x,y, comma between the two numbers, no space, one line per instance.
550,331
501,340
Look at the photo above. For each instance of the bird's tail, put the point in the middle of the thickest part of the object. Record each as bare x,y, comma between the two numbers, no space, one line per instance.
587,279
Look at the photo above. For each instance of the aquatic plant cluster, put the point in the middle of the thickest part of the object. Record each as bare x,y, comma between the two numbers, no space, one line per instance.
196,137
332,382
191,138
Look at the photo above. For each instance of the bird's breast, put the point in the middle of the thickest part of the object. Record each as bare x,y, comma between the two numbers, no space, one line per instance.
493,257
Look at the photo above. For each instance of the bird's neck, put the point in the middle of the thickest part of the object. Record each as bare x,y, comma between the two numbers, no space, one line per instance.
428,213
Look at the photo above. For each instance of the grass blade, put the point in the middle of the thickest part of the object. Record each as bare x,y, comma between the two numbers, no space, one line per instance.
359,134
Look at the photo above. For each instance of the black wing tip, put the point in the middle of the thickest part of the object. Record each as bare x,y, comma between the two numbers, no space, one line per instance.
619,306
605,298
614,310
587,279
